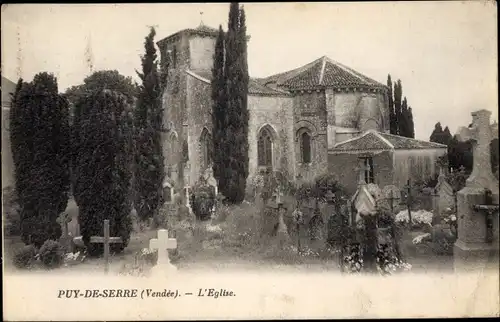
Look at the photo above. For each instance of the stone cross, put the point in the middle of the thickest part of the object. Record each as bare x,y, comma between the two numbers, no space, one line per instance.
278,194
163,243
481,133
106,240
63,220
489,208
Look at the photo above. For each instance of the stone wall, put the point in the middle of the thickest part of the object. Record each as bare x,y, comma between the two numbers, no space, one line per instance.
200,116
345,167
201,51
415,165
309,109
175,109
276,113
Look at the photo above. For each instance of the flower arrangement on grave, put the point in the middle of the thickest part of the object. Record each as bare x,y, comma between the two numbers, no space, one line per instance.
202,199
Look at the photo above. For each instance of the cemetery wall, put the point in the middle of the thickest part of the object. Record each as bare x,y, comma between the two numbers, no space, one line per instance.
416,165
345,167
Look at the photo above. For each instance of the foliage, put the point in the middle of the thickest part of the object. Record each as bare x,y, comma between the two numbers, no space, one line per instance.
219,101
11,210
102,164
202,200
51,254
328,182
419,217
149,159
274,181
25,257
40,148
392,116
400,113
101,80
236,129
439,135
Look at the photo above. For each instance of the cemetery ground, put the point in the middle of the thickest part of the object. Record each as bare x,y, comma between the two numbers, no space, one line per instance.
231,241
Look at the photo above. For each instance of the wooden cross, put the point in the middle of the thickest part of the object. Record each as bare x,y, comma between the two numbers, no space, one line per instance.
489,208
481,133
106,240
162,243
408,201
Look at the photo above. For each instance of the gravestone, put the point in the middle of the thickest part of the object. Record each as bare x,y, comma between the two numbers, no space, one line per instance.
168,192
445,196
162,244
472,250
210,180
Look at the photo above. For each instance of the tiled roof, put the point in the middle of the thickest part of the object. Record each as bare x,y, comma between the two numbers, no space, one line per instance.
254,86
323,72
373,140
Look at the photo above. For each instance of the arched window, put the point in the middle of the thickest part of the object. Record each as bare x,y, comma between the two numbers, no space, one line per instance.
206,149
265,148
305,147
304,139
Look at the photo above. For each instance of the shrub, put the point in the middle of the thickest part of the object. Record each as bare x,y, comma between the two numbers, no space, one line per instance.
202,200
52,254
25,257
11,210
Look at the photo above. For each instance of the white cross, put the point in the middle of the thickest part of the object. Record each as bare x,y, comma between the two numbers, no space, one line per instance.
481,132
162,243
278,195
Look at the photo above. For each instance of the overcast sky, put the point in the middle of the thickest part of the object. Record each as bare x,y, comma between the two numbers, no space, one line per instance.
445,53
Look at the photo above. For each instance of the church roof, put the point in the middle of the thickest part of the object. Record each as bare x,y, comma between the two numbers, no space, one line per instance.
373,140
323,72
254,86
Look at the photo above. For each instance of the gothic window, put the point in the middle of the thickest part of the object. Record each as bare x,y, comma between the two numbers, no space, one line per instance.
174,57
265,148
206,149
305,147
369,174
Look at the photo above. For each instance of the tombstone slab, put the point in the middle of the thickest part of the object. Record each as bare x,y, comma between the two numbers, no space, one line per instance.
471,250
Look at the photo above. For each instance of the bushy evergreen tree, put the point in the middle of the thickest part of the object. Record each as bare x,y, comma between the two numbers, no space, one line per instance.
103,154
219,100
149,160
40,137
403,123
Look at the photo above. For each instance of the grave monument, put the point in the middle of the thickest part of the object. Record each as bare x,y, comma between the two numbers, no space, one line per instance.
477,245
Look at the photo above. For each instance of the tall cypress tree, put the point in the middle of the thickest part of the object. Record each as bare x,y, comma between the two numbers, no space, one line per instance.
236,72
411,125
403,123
219,97
398,92
40,136
149,159
392,116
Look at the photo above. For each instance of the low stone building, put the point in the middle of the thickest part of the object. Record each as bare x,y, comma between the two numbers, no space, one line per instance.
386,159
8,87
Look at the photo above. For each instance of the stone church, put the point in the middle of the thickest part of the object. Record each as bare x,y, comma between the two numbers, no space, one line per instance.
297,118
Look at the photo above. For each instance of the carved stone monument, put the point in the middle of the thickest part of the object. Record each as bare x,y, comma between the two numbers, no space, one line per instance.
473,249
